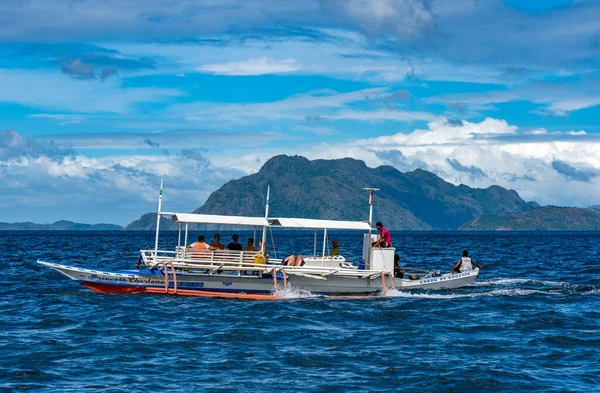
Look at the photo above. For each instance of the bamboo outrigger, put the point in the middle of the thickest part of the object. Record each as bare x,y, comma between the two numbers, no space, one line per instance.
253,274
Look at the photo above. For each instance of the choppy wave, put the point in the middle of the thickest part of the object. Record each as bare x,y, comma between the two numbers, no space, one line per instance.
525,326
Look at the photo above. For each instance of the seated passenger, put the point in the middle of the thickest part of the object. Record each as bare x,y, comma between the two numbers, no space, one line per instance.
293,260
217,243
234,245
398,271
464,264
335,248
385,239
250,246
201,244
266,254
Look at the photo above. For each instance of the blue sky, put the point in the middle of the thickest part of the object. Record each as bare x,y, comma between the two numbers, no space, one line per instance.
99,100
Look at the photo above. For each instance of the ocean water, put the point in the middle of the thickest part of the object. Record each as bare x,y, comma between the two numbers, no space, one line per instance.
530,323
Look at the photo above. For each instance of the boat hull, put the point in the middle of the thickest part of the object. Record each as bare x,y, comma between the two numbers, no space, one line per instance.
185,283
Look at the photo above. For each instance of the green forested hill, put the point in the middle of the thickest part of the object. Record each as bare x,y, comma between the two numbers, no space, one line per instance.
333,189
540,219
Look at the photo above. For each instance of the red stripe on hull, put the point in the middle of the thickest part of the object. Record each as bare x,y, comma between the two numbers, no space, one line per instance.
104,288
215,294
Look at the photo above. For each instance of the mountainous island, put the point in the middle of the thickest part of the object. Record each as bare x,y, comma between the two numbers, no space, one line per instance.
333,189
58,226
541,219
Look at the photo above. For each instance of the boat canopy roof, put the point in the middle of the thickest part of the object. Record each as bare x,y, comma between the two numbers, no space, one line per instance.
319,224
305,223
216,219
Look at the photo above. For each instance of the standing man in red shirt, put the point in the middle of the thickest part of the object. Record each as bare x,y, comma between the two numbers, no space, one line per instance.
385,239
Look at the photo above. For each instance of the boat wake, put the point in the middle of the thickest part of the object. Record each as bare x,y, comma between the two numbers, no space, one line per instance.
496,292
506,287
517,281
294,293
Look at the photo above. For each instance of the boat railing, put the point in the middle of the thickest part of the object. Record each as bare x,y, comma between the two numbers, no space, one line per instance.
245,262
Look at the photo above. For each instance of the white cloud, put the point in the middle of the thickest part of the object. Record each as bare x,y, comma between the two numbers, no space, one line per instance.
550,168
557,98
175,139
52,184
406,18
382,115
561,168
258,66
378,104
51,90
296,107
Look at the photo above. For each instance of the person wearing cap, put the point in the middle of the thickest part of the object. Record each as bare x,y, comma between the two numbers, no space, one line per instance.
234,245
335,248
385,239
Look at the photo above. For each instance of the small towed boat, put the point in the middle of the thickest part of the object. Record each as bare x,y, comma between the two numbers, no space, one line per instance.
254,275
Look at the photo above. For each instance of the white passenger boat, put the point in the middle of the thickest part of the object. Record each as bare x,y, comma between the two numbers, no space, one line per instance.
253,274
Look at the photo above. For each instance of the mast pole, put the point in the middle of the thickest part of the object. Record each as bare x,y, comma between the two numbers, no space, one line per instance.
263,248
158,219
371,200
179,236
324,247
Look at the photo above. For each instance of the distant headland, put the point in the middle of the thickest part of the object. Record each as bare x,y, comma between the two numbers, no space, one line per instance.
333,189
58,226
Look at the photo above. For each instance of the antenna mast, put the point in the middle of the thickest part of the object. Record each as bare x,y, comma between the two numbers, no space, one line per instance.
263,248
158,219
371,200
367,245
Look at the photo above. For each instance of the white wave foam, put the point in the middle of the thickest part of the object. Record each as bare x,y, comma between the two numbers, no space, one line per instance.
425,295
514,292
294,293
501,281
496,292
515,281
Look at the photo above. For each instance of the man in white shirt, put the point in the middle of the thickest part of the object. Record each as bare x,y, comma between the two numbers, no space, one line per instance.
465,264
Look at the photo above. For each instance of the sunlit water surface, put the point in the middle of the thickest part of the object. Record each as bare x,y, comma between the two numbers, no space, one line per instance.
530,323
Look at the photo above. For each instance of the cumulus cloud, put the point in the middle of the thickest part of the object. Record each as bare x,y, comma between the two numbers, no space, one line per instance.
38,178
557,168
13,146
573,173
405,18
258,66
553,170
